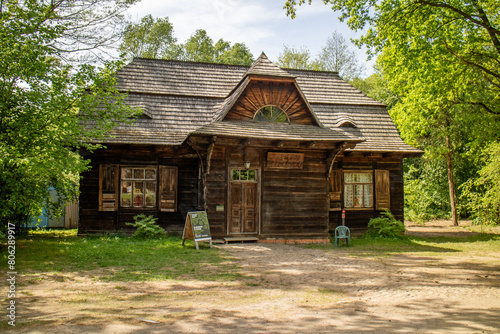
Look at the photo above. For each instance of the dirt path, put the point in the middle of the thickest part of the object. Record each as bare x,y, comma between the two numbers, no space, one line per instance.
286,289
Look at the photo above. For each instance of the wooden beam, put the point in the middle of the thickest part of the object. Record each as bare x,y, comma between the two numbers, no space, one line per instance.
209,152
257,77
309,144
339,147
279,143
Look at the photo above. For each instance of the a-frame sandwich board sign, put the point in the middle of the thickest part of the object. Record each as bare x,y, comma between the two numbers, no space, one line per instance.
197,228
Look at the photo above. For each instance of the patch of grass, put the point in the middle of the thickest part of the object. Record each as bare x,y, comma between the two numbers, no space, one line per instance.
479,244
120,258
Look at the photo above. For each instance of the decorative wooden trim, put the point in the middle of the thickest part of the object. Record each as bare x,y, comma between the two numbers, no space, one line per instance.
332,156
285,160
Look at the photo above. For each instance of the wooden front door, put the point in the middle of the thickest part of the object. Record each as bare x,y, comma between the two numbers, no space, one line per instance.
244,202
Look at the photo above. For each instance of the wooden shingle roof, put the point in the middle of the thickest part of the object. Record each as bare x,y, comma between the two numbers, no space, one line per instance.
263,66
184,98
280,131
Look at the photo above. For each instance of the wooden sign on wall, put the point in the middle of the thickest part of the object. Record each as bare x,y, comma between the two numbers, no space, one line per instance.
282,160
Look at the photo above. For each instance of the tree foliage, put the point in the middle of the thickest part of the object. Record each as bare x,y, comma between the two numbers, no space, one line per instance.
44,106
338,56
460,34
154,38
294,58
377,87
442,58
150,38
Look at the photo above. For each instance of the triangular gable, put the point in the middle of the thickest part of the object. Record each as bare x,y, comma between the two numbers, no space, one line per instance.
265,84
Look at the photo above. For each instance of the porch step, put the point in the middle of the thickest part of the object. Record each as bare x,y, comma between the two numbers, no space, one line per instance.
241,239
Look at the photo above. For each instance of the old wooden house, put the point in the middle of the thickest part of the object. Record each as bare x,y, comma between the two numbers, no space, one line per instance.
271,153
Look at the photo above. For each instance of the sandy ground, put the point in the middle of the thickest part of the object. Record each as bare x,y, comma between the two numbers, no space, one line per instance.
286,289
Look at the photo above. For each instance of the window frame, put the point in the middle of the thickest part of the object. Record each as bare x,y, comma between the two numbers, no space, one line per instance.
273,119
371,184
144,193
247,172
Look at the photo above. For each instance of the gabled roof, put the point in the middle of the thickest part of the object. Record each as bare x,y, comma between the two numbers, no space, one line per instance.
184,98
264,69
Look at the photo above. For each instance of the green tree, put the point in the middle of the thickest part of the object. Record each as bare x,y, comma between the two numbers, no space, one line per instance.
338,56
44,109
199,47
294,58
150,38
442,57
482,194
238,54
377,87
462,34
153,38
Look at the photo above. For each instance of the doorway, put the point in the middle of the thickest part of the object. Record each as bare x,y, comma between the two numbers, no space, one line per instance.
244,201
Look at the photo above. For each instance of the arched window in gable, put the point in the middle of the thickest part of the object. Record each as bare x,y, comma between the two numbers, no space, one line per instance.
271,114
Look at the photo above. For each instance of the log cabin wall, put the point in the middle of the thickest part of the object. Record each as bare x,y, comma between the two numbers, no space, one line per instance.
295,201
92,220
359,218
292,203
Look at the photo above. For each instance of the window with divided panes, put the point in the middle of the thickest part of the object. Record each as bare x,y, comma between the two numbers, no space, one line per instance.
358,190
243,175
138,187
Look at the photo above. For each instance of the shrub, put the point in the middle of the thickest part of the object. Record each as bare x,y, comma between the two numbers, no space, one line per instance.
146,227
386,226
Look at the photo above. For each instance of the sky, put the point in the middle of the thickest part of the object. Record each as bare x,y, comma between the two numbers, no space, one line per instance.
262,25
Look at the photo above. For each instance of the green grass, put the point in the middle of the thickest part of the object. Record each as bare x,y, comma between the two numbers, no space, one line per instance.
479,243
121,258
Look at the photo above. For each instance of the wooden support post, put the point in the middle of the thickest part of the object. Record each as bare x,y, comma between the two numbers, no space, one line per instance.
209,153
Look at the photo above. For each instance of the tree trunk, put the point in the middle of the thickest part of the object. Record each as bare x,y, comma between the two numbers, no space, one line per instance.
451,183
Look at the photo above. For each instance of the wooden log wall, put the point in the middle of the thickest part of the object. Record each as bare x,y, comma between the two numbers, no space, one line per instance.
93,220
359,218
295,202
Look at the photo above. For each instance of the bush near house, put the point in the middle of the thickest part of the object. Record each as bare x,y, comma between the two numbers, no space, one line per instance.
385,226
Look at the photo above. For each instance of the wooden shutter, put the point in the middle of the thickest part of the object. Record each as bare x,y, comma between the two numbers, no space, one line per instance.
382,190
108,187
168,188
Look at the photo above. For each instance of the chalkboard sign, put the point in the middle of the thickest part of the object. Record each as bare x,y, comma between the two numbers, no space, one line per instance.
197,228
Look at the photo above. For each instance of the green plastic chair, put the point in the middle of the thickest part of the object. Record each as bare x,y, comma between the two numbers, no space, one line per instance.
342,232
